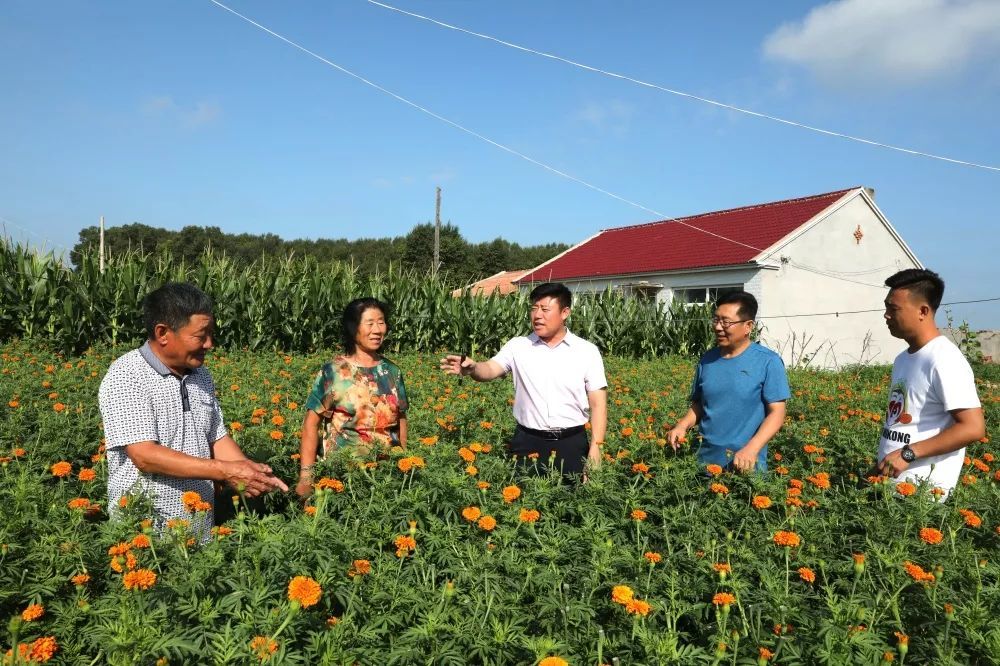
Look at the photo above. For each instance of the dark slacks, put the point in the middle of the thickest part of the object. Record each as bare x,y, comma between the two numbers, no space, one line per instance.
569,453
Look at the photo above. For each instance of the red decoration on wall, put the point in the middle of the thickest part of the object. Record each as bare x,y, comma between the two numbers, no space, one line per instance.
858,234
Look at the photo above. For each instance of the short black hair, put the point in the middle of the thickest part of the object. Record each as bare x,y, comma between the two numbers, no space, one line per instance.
350,320
555,290
173,304
746,301
926,284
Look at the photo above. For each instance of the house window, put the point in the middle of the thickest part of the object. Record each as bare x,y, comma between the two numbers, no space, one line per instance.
702,295
642,291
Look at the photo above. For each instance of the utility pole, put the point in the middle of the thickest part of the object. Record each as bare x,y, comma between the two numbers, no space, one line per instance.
437,235
101,254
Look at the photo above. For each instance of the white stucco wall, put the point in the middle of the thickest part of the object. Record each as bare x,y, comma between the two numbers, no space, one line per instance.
856,272
671,281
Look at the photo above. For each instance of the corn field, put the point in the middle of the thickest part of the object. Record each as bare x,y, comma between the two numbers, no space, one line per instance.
294,304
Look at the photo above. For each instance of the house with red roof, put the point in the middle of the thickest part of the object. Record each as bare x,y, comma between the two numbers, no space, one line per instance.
816,265
502,283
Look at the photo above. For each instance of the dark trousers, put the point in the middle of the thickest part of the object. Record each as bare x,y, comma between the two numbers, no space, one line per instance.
570,453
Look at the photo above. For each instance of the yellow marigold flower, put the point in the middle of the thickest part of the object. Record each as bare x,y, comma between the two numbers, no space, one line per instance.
32,612
786,539
553,661
487,523
360,568
807,574
723,599
638,514
61,469
304,591
142,579
511,493
471,513
529,515
931,535
905,488
622,594
761,502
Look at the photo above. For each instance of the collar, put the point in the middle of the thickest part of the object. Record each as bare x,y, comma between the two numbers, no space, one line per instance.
568,339
154,361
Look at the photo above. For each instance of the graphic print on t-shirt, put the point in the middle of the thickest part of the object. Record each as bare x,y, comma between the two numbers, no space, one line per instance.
897,411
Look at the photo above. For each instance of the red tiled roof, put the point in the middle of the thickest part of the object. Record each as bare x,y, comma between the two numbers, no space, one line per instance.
669,245
502,282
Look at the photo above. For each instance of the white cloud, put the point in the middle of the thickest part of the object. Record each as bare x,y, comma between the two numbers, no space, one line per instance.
903,42
191,117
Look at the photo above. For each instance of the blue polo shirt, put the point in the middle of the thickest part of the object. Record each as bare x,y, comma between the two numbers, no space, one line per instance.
734,393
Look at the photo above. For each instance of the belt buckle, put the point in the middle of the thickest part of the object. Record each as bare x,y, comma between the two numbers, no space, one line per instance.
554,435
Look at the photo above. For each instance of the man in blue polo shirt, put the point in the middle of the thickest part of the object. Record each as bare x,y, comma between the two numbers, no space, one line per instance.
739,391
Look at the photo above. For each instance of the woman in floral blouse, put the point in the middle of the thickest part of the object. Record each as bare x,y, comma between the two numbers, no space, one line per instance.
358,400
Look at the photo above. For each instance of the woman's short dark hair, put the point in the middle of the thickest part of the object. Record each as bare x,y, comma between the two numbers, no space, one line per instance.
925,284
173,304
555,290
351,319
747,303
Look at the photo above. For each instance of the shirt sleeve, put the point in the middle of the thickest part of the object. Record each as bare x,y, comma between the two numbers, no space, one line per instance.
696,384
775,381
126,411
505,357
954,381
402,403
217,427
594,378
319,387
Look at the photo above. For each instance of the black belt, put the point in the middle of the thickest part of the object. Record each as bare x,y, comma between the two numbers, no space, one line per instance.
554,434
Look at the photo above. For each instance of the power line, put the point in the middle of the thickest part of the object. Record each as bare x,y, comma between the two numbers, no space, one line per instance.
681,93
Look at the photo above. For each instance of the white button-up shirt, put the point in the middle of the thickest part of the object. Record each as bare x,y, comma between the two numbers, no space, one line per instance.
551,383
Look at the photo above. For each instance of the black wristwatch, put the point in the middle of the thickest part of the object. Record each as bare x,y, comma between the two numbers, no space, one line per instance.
907,454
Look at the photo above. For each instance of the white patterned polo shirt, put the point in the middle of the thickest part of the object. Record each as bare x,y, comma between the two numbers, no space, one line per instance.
143,401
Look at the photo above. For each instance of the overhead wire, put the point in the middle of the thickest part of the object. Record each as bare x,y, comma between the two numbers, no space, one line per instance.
680,93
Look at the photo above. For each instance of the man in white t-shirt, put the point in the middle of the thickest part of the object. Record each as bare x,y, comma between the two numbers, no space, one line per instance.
559,384
933,407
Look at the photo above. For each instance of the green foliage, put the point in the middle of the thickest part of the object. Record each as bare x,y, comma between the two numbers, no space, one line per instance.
517,593
294,304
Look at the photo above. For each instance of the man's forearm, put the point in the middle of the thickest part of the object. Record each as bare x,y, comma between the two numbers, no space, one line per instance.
765,433
153,458
950,439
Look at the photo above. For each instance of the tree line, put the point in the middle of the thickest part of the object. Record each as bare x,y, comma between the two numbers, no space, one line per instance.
462,262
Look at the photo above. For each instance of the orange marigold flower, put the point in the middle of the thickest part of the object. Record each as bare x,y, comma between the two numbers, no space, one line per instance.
622,594
277,435
902,638
971,518
786,539
807,574
310,510
42,649
483,485
304,591
931,535
511,493
529,515
80,579
190,500
821,480
796,483
764,654
61,469
917,573
713,469
142,579
652,557
810,449
327,483
120,548
360,568
59,407
405,545
222,531
553,661
640,468
638,514
408,463
466,454
78,503
722,567
429,441
32,612
263,647
87,474
905,488
723,599
471,513
637,607
719,489
487,523
19,452
141,541
332,621
761,502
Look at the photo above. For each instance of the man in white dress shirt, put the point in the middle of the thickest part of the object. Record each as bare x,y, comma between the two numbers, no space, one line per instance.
559,384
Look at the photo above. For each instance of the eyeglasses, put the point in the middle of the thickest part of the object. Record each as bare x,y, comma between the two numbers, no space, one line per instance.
726,323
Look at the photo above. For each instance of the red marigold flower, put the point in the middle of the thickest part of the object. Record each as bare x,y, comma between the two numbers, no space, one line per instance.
78,503
640,468
304,591
42,649
637,607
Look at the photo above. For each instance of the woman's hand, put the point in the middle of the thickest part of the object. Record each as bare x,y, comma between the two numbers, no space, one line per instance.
304,487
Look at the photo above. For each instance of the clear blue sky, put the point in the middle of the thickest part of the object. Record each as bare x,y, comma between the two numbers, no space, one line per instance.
179,113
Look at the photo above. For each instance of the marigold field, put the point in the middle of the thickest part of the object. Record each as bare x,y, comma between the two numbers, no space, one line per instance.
444,554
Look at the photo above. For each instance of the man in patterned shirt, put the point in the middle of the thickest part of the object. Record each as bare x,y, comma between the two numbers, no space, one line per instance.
164,431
